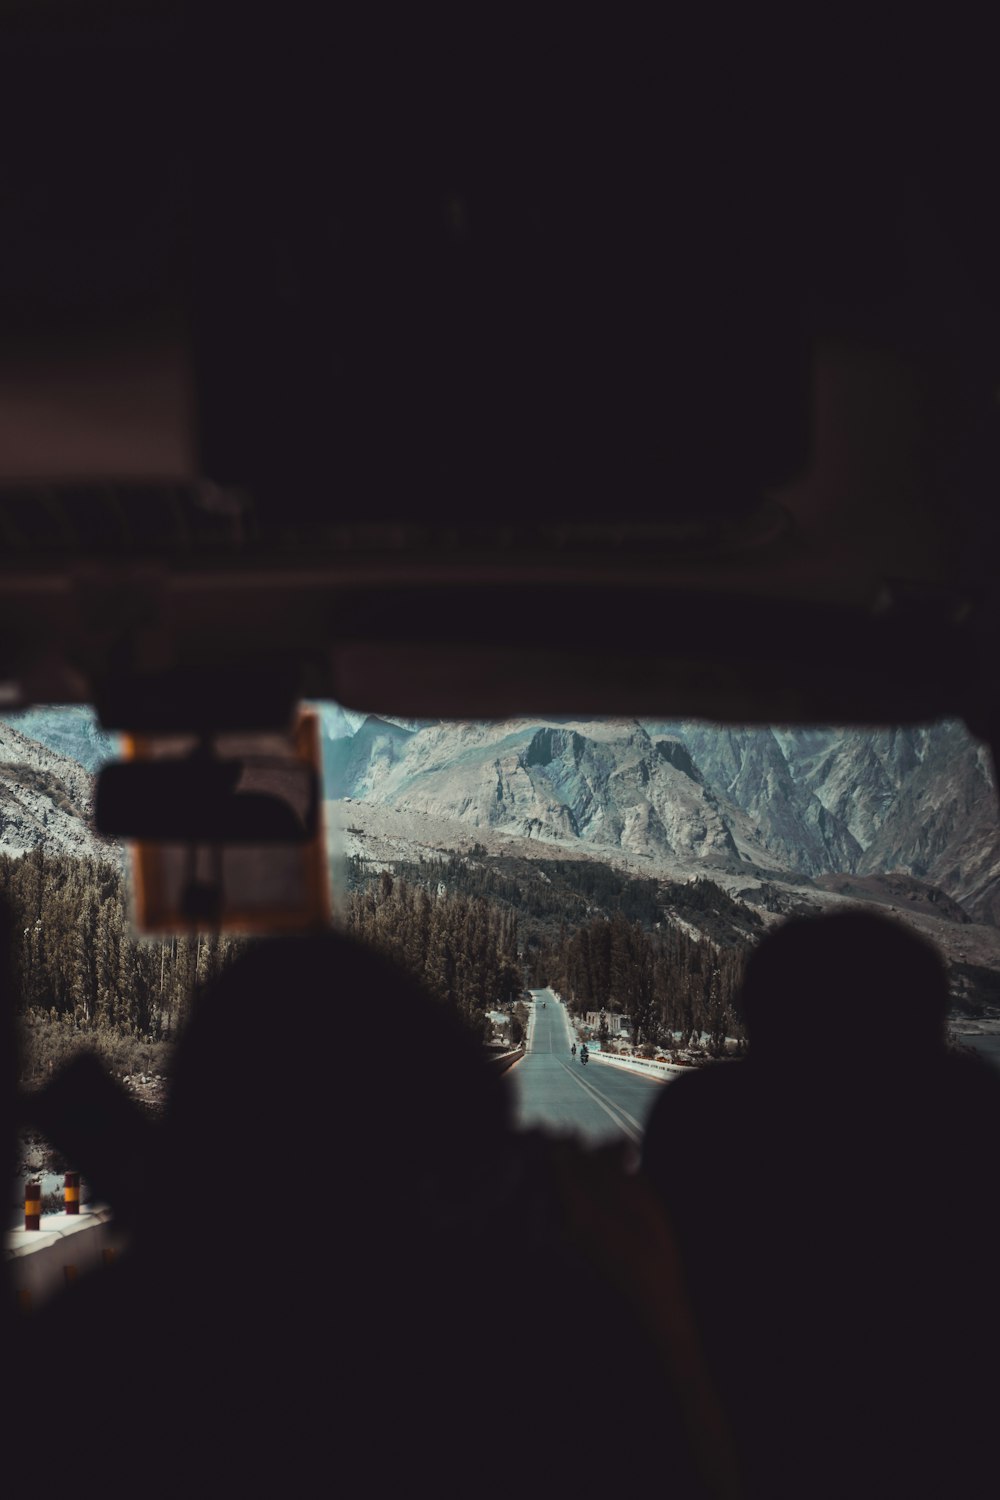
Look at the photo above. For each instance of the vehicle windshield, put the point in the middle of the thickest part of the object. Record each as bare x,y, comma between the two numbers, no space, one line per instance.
615,873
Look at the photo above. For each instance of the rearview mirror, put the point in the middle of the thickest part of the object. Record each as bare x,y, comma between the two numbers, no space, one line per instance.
226,833
203,800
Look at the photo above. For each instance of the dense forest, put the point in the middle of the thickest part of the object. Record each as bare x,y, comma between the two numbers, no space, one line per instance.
74,951
80,973
671,986
548,894
463,949
82,977
669,956
472,932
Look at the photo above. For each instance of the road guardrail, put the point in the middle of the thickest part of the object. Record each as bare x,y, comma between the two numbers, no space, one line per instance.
64,1246
643,1064
504,1060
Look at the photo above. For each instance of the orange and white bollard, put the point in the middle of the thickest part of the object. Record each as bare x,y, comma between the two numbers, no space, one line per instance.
71,1193
32,1205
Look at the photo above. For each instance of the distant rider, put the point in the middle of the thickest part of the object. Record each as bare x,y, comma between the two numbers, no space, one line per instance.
584,1053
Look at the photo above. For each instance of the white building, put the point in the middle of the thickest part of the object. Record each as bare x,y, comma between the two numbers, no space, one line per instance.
617,1023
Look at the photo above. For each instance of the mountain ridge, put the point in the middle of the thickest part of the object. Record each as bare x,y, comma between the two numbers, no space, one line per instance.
813,802
46,799
754,802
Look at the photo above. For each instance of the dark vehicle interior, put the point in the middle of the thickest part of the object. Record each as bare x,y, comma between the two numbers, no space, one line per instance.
472,372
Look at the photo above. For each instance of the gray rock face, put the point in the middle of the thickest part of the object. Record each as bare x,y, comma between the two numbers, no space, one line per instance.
45,798
71,732
809,802
607,784
354,764
751,768
857,774
802,802
942,825
918,800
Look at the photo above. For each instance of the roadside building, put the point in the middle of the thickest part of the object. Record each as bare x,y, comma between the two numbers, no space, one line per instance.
617,1023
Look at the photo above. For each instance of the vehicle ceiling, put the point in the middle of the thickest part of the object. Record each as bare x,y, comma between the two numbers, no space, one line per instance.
557,373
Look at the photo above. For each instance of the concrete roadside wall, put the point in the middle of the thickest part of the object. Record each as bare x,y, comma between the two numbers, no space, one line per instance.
641,1065
504,1060
39,1262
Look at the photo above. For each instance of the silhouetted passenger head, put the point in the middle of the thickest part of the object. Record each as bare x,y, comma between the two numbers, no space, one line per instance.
816,980
316,1053
335,1171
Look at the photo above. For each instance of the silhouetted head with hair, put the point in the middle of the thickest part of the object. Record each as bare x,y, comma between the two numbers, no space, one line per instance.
813,975
357,1151
318,1050
336,1163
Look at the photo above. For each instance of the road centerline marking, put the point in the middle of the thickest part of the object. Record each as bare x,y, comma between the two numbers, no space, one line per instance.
621,1117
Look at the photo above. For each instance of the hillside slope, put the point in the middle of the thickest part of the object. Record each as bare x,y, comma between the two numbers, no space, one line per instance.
45,799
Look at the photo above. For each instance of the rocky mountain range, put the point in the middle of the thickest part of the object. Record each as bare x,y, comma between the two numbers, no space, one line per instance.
73,733
45,799
919,801
753,805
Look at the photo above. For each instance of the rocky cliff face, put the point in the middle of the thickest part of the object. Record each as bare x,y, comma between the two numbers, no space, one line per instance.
751,768
804,803
919,801
607,784
857,774
942,824
45,798
355,764
73,733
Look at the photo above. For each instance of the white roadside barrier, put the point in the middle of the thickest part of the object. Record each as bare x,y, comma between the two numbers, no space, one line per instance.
640,1064
64,1246
504,1060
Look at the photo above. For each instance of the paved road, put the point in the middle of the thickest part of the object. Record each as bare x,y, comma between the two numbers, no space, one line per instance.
555,1091
987,1045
